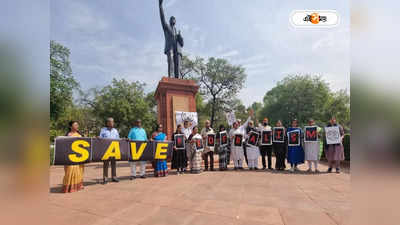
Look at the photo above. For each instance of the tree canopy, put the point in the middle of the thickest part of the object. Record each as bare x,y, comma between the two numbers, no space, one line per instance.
62,83
305,97
219,82
125,102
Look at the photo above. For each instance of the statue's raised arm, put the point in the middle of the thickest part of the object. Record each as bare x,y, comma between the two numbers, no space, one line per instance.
162,16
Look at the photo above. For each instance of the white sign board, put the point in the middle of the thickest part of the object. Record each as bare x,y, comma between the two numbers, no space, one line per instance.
231,118
332,135
180,117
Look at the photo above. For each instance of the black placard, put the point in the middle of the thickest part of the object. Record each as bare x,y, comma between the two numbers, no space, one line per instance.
253,138
78,150
223,138
294,138
210,140
118,149
72,150
179,141
238,140
311,134
266,137
278,134
199,144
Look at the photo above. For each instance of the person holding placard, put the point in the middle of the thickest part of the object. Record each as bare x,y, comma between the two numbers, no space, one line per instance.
179,160
137,133
236,135
194,153
295,150
265,149
208,135
334,152
252,146
160,168
109,132
222,149
279,145
312,145
73,178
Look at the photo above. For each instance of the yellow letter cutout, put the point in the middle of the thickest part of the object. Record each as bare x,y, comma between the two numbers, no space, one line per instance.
161,148
112,151
137,154
77,147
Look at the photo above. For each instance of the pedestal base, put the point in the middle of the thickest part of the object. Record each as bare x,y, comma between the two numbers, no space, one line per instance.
174,95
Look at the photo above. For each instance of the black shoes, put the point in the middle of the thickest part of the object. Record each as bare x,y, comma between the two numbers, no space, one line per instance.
114,179
132,178
329,170
337,170
143,177
104,180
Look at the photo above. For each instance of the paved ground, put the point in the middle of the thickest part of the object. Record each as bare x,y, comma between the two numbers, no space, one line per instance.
221,198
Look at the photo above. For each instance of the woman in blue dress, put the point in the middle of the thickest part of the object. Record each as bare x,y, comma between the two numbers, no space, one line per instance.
295,154
161,169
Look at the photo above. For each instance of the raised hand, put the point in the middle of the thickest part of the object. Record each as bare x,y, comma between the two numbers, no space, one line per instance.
251,112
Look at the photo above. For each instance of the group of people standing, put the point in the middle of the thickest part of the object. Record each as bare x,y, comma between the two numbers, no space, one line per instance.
73,178
192,157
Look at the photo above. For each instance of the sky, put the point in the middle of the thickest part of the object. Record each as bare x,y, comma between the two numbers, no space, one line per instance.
124,39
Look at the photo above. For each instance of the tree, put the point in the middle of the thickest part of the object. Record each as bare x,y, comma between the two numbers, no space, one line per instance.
62,83
338,104
219,82
125,102
304,97
187,67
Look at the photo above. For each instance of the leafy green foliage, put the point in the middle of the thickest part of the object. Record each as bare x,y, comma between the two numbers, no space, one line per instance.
304,97
346,146
219,83
125,102
62,83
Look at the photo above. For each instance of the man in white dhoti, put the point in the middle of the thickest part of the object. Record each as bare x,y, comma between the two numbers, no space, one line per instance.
253,151
237,153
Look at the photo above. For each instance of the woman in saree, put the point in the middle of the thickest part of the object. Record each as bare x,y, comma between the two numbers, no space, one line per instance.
73,178
193,154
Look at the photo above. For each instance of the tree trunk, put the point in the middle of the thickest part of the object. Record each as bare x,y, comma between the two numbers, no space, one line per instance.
212,112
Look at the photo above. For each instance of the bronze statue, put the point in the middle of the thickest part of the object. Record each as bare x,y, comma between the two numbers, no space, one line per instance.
173,44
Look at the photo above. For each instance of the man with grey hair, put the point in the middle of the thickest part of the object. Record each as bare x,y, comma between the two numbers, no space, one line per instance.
109,132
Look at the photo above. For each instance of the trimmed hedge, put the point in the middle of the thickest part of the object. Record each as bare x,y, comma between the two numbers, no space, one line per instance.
346,147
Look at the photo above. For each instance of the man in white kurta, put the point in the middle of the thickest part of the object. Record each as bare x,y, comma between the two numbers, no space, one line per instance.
253,151
237,153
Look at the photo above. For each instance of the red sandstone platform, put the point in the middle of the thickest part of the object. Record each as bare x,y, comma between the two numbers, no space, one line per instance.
174,95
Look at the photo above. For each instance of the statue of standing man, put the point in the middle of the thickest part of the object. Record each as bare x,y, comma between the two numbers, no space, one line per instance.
173,44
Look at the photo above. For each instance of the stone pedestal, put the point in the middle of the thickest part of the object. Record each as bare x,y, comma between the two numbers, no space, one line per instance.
174,95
